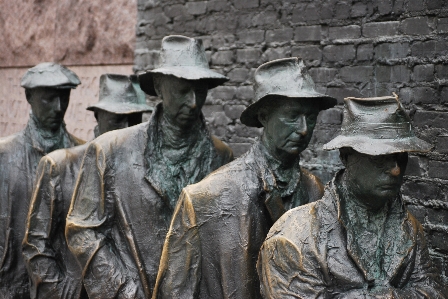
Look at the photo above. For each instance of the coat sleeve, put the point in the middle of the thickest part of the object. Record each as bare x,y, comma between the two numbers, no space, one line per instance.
180,266
424,281
47,277
289,272
88,230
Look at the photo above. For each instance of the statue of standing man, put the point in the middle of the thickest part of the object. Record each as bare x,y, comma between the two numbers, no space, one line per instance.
47,89
220,223
359,240
54,271
130,179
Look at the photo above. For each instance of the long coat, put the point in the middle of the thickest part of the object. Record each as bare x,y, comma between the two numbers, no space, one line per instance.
54,271
218,228
307,255
118,221
19,155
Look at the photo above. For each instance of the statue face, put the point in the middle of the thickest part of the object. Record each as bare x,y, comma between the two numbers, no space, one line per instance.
288,127
49,105
182,99
375,179
108,121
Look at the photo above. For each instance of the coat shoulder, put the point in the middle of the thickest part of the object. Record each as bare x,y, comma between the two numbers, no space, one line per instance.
222,149
236,177
75,140
10,142
314,185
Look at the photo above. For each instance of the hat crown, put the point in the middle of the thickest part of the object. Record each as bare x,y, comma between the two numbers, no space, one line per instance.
377,118
377,126
49,74
178,50
119,89
285,77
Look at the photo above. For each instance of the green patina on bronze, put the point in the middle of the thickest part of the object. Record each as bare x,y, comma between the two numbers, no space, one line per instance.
359,240
220,223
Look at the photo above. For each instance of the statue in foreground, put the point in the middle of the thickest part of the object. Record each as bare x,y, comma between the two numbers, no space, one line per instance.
54,271
47,89
130,179
220,223
359,241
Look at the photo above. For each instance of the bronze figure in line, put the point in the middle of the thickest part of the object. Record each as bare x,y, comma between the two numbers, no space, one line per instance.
130,179
220,223
53,270
358,241
47,89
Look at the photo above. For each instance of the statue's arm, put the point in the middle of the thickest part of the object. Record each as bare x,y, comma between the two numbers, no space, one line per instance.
179,271
45,273
288,272
89,222
424,282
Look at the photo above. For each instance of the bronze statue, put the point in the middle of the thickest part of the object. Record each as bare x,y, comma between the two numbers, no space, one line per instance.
220,223
54,271
130,179
47,89
358,241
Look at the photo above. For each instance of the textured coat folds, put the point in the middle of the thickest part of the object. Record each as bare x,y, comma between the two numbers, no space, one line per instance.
307,255
118,220
53,270
218,228
19,157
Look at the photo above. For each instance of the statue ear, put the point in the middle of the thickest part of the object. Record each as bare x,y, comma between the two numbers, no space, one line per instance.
157,85
263,116
28,95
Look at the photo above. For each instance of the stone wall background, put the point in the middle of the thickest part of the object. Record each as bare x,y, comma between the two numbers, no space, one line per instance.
90,37
352,47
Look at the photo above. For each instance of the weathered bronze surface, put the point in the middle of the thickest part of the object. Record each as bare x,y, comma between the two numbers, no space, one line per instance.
54,271
130,179
359,241
220,223
47,87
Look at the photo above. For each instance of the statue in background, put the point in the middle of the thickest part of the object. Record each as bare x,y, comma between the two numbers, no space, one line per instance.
54,271
359,241
47,89
130,179
220,223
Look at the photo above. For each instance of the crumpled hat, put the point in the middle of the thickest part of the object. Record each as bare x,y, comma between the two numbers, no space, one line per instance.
182,57
286,77
120,94
49,74
377,126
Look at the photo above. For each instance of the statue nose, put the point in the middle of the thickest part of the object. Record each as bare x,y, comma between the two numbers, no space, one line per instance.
302,127
395,171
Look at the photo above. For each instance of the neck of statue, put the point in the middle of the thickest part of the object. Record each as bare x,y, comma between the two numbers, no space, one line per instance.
43,131
174,136
287,161
364,201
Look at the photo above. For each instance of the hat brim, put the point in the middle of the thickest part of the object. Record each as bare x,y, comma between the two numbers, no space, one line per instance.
184,72
376,147
123,108
249,117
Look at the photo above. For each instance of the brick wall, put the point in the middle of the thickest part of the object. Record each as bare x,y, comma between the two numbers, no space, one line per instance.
353,48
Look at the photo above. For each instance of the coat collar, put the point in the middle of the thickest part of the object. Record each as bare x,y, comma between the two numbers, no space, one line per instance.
45,145
267,168
150,154
400,242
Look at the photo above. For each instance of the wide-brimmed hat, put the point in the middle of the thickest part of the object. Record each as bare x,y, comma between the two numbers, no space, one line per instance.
288,78
49,74
120,94
377,126
182,57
